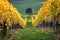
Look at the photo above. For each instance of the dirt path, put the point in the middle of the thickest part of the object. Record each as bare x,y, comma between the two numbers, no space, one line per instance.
57,36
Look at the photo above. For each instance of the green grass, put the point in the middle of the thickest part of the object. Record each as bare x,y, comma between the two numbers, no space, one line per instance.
29,34
32,34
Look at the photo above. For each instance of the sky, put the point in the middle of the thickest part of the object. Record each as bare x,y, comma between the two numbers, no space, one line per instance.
22,5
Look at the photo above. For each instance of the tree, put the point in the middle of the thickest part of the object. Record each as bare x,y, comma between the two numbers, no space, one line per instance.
9,16
49,9
29,11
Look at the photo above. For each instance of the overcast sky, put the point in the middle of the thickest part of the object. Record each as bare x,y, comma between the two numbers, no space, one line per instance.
22,5
25,0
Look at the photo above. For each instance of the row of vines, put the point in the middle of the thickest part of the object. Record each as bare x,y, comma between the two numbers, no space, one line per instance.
10,15
49,11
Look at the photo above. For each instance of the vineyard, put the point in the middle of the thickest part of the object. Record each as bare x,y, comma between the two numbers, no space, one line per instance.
45,25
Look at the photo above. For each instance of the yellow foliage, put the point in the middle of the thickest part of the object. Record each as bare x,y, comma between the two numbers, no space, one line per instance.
10,14
49,8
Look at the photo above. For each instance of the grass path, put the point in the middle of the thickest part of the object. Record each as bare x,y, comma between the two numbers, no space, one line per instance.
32,34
